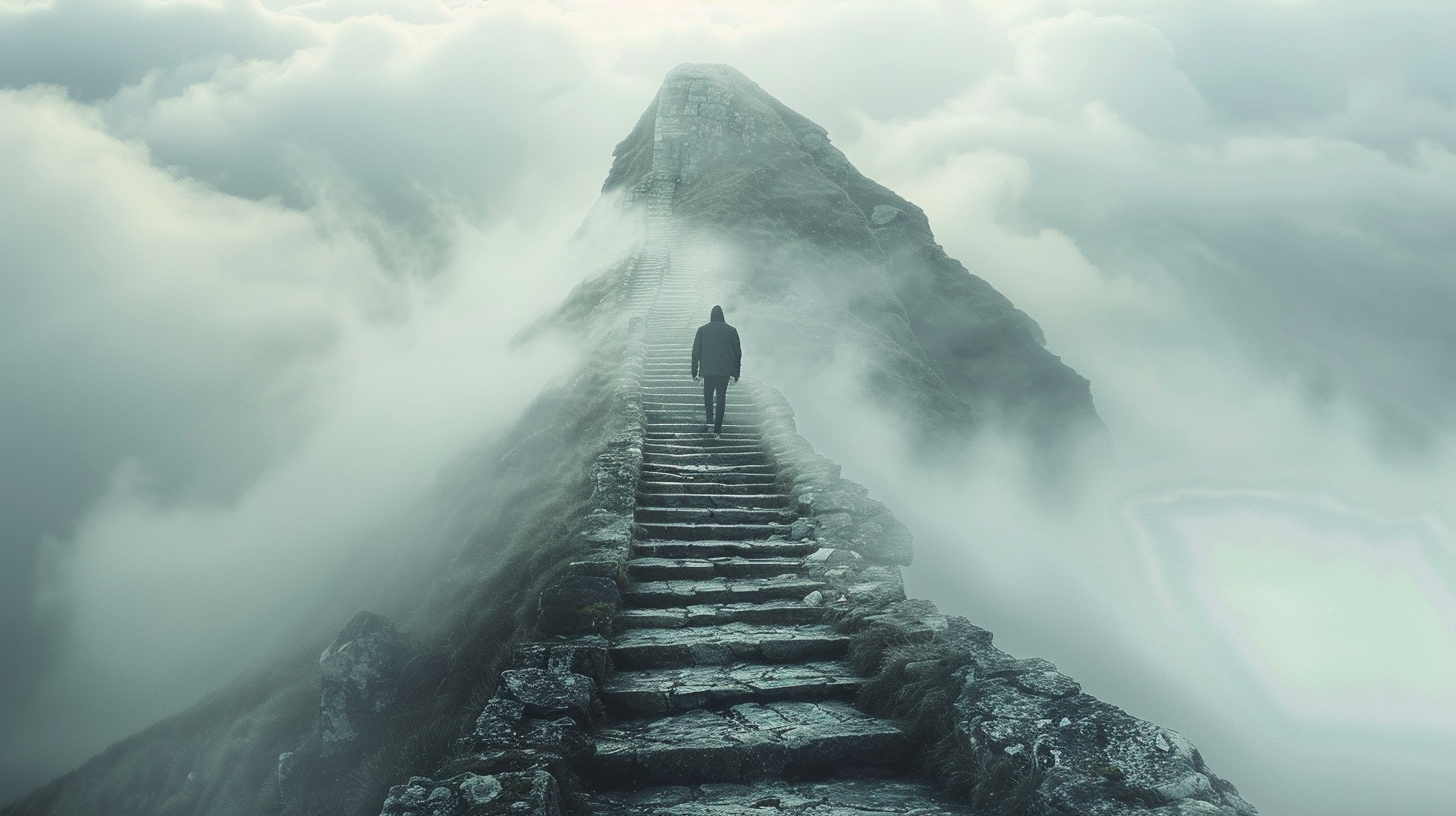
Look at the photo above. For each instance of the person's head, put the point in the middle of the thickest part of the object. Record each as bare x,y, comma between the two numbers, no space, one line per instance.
717,314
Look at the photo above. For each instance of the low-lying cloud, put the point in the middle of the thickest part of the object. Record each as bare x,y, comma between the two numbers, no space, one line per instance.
257,285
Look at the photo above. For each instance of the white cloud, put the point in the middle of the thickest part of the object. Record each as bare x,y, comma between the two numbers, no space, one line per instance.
269,397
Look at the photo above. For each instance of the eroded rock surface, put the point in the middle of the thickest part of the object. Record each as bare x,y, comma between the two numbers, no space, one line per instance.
360,680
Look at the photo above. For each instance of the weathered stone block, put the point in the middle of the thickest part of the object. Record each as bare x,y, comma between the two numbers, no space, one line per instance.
579,604
584,655
360,681
529,793
551,694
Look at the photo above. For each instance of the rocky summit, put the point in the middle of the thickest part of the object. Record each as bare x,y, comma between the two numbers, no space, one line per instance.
826,265
634,616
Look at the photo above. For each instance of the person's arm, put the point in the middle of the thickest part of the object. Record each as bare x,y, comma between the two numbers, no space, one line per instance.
697,351
737,357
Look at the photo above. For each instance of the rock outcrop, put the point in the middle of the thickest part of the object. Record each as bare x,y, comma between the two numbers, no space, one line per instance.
360,672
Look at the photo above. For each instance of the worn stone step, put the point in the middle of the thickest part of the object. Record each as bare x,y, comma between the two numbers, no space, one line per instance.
678,375
826,797
691,394
694,427
663,498
747,742
706,457
688,481
728,643
705,531
677,487
697,440
717,590
674,467
658,391
747,548
712,515
694,405
690,417
667,450
651,568
692,432
724,474
678,384
677,480
663,692
691,405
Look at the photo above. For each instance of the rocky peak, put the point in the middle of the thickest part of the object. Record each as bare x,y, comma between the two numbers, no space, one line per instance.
828,263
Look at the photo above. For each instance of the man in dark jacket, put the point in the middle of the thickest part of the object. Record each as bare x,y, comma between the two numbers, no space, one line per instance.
716,357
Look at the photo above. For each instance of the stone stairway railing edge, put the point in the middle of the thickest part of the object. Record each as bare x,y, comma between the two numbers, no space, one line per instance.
836,512
529,740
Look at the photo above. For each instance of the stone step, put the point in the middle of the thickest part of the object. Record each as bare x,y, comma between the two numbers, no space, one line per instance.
747,742
650,568
825,797
684,476
693,400
701,469
694,427
712,515
689,416
699,439
721,645
682,389
745,499
759,485
652,548
707,445
659,594
689,481
707,457
725,532
664,692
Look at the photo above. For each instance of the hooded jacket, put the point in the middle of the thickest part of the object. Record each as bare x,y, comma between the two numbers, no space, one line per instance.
715,348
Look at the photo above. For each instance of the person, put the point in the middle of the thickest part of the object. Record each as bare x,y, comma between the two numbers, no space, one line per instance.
716,357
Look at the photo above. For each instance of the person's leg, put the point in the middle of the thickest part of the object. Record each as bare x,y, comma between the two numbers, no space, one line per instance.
708,401
722,386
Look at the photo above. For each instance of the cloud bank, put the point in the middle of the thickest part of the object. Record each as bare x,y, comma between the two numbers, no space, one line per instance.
260,263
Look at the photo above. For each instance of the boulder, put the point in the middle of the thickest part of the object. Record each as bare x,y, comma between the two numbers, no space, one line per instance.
527,793
549,694
360,681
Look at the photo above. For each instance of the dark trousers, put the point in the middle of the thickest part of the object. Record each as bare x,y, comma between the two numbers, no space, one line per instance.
710,385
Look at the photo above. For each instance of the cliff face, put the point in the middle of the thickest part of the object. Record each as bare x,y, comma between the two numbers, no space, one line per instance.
826,264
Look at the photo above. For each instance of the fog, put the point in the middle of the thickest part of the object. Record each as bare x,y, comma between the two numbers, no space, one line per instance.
261,265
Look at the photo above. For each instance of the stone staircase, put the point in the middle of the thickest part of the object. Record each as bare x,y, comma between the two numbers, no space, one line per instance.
688,663
728,690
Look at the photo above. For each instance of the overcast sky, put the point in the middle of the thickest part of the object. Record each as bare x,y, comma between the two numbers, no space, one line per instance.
260,263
